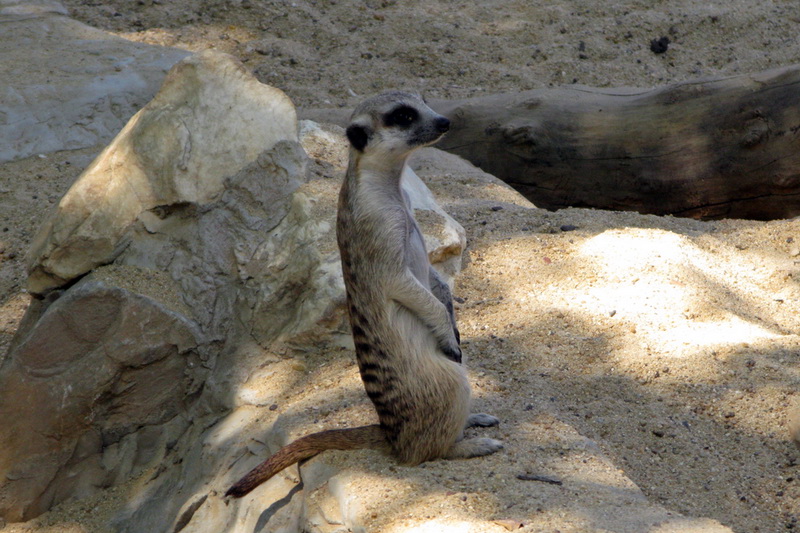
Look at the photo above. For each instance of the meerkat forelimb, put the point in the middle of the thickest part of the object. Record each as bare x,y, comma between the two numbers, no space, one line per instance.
401,311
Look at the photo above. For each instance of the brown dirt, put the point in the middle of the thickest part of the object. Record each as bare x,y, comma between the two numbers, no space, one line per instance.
671,343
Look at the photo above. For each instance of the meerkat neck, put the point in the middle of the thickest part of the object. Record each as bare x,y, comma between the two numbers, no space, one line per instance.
381,167
380,178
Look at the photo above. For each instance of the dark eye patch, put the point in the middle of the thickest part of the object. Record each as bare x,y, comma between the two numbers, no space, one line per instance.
403,117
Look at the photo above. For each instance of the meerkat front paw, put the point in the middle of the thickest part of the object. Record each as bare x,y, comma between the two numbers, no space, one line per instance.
451,349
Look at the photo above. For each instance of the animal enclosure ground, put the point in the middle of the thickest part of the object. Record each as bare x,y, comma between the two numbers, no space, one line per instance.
671,344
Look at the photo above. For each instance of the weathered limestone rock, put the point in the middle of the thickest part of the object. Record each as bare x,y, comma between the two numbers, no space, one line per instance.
101,363
122,356
209,119
66,85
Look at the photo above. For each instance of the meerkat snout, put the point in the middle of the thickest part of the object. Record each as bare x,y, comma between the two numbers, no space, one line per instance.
442,124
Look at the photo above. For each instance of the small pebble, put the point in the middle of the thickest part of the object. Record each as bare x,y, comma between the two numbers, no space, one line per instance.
509,524
568,227
273,406
497,208
660,45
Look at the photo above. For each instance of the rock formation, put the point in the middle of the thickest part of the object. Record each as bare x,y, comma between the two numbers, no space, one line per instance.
192,243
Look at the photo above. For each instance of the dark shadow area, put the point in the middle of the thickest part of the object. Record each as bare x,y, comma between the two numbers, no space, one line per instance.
270,511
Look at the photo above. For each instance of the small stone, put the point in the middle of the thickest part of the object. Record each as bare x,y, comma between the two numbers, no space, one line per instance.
497,208
660,45
273,406
568,227
509,524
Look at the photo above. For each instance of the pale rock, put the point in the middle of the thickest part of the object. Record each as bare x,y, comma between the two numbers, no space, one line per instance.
103,370
105,375
76,97
210,119
31,7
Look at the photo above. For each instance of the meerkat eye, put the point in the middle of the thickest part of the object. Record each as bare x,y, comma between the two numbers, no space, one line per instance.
403,117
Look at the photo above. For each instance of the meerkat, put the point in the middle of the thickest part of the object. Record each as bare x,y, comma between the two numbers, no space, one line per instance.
401,311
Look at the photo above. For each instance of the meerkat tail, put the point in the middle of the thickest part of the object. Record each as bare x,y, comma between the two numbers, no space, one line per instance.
370,437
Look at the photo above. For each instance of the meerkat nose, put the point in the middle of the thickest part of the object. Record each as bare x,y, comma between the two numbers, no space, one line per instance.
442,124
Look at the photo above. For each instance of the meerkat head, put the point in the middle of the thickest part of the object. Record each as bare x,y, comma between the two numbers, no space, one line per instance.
394,124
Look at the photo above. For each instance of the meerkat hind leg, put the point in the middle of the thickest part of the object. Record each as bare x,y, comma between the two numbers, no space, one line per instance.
482,420
464,449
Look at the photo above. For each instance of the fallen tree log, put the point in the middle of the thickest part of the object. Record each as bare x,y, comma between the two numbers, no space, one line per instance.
720,148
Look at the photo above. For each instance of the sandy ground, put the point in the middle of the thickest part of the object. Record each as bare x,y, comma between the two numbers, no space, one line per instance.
671,343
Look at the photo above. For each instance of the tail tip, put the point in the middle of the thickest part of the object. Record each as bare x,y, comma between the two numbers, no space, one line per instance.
236,491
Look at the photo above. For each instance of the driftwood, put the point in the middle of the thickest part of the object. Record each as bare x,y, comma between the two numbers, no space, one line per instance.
706,149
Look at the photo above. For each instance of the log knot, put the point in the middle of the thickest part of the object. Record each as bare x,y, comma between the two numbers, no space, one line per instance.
754,135
524,134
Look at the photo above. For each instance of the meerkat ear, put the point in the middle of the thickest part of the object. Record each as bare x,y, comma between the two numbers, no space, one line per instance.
358,135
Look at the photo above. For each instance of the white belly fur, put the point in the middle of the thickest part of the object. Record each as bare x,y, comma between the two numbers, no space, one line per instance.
433,382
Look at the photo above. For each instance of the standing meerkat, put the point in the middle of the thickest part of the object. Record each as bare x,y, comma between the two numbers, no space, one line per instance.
401,311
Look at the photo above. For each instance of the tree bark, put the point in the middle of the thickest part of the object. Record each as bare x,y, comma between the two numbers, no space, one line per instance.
720,148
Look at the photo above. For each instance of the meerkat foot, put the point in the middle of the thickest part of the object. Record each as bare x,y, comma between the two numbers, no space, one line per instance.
464,449
482,420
